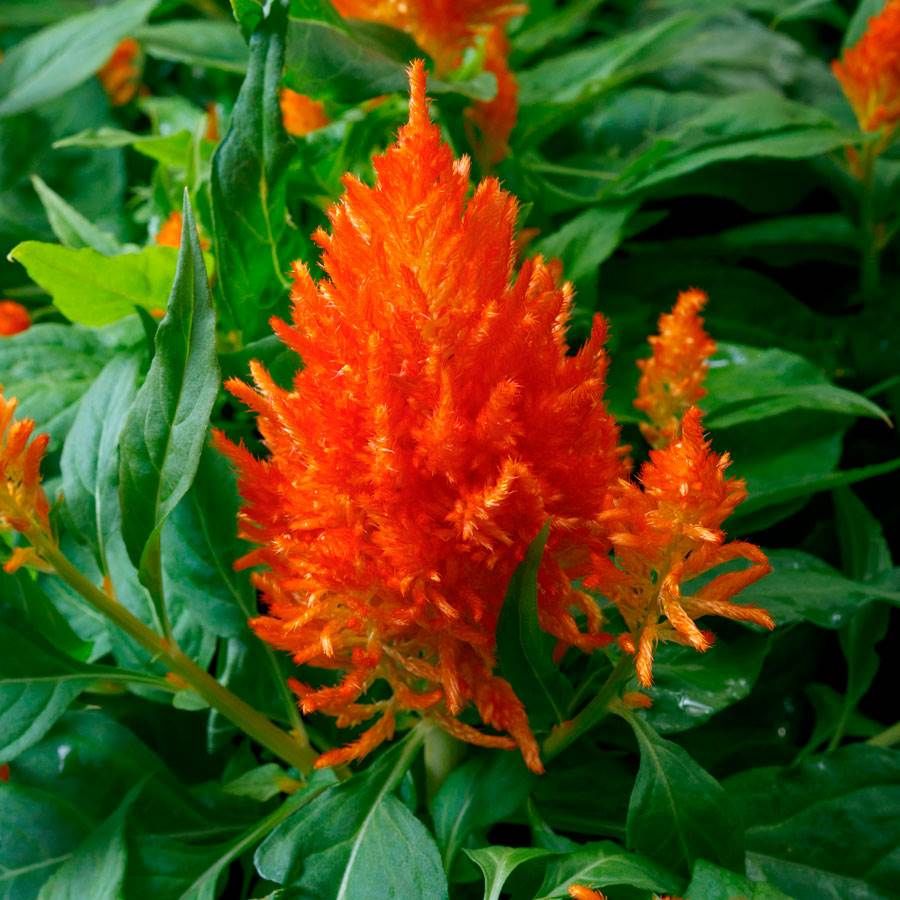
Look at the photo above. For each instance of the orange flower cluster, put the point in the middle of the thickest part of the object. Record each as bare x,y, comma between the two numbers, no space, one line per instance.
666,531
672,378
445,29
869,72
23,504
121,73
14,318
438,423
301,114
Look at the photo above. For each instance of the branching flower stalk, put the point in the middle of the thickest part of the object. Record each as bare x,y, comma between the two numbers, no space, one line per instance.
24,509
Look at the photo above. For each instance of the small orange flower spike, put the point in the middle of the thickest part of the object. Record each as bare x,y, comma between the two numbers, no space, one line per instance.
23,505
672,378
14,318
581,892
438,422
445,29
666,532
121,74
869,72
301,114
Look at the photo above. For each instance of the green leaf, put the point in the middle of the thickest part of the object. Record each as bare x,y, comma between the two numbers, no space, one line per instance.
525,651
498,863
829,827
262,783
678,812
199,549
173,150
90,457
165,431
99,861
354,61
690,687
92,289
745,384
61,56
478,794
352,842
214,45
865,10
803,587
49,367
602,865
254,243
70,226
709,882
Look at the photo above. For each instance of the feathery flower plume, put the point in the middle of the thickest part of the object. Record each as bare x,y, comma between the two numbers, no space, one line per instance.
666,531
23,504
13,318
869,72
301,114
438,423
120,75
672,378
445,29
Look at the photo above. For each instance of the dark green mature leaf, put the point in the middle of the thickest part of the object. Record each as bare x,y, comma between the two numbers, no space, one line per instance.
92,289
61,56
353,842
70,226
602,865
679,813
802,587
254,242
215,45
709,882
478,794
98,862
829,827
689,687
90,458
353,61
165,431
199,549
49,367
498,863
745,384
525,651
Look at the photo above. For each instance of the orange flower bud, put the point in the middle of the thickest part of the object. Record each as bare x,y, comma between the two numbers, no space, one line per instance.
13,318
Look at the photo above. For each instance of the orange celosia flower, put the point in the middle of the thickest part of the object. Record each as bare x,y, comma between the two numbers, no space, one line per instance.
301,114
13,318
23,505
672,378
666,531
869,72
439,421
121,74
169,234
582,892
445,29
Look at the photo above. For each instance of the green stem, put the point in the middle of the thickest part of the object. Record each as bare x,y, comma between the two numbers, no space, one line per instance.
888,737
292,750
568,732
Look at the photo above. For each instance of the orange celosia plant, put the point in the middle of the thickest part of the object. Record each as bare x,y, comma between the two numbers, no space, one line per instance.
438,423
23,504
301,114
667,531
120,75
869,72
445,29
672,378
14,318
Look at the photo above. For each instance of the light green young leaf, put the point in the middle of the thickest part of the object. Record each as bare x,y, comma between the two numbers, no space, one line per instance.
72,228
172,150
92,289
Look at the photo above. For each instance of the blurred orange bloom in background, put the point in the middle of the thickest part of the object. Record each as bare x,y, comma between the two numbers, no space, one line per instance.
13,318
121,73
301,114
